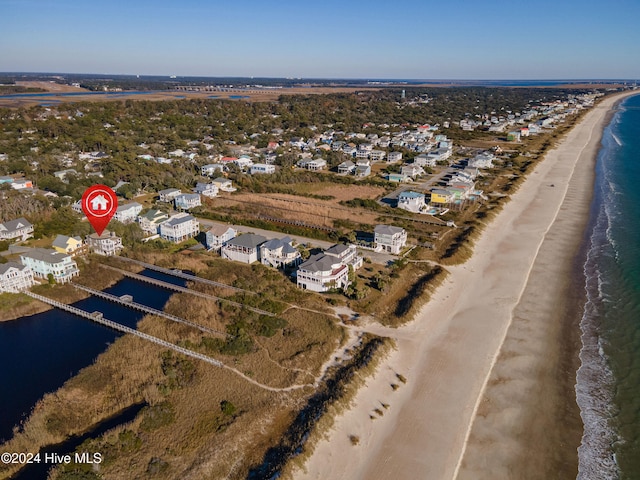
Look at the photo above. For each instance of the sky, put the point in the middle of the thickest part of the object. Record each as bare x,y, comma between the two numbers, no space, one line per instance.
393,39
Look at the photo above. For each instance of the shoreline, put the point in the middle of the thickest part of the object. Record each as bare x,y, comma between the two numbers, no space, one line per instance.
461,413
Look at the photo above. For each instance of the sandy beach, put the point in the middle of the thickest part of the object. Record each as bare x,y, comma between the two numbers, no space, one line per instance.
490,361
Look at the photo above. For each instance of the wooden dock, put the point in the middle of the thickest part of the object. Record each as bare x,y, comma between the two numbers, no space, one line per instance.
185,276
177,288
144,308
98,318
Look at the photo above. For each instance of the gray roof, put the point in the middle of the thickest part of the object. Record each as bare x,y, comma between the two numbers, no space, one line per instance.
318,263
276,243
127,206
248,240
6,266
61,241
45,255
168,190
13,225
218,230
177,220
152,214
387,230
338,249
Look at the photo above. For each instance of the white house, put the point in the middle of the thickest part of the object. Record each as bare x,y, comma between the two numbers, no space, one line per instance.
411,201
393,157
208,190
482,160
179,228
412,170
424,160
321,272
169,194
377,155
218,235
279,253
15,277
262,168
128,212
44,262
346,167
107,244
187,201
210,169
18,229
389,238
150,221
245,248
313,165
347,254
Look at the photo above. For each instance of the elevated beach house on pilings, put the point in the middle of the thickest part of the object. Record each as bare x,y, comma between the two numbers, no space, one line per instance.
107,244
279,253
390,239
44,262
15,277
218,235
321,273
245,248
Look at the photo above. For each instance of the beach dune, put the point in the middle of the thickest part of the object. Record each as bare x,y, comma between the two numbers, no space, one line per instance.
490,361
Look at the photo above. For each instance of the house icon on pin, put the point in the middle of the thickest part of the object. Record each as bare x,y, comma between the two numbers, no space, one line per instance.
99,203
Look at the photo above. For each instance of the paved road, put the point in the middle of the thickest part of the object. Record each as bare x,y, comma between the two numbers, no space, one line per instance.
376,257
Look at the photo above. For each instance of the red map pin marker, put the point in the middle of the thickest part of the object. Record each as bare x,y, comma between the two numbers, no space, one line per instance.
99,203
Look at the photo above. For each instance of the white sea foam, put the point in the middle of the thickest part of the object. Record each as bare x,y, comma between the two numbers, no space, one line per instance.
594,380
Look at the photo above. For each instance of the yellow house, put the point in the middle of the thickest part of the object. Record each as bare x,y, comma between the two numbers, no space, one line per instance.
70,245
441,196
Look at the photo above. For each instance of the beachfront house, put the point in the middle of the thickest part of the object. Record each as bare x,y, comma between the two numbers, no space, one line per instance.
107,244
218,235
179,227
441,196
411,201
44,262
18,229
244,248
279,253
15,277
347,254
321,273
389,238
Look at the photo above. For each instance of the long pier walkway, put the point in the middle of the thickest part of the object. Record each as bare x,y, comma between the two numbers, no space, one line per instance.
186,276
98,318
177,288
144,308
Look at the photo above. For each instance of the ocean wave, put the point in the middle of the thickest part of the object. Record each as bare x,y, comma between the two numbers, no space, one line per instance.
594,379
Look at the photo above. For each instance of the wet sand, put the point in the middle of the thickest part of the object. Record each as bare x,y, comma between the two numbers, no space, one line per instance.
490,361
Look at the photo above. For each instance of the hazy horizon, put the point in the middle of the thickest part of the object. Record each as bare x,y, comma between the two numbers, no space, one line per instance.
461,40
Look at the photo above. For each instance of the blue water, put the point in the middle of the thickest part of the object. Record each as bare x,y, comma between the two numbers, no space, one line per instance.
608,386
41,352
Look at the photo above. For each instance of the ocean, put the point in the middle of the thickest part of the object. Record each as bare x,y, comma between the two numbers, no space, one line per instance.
608,381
